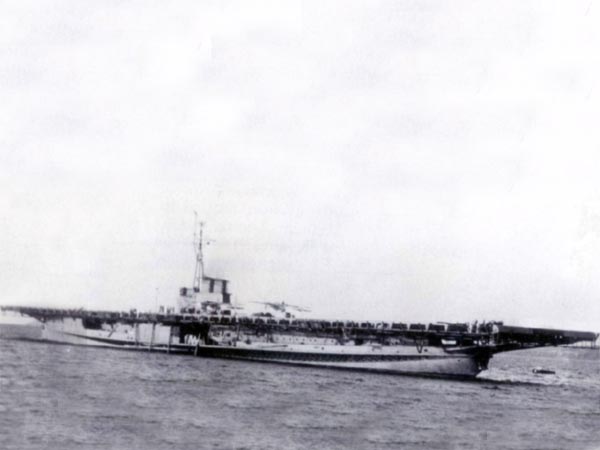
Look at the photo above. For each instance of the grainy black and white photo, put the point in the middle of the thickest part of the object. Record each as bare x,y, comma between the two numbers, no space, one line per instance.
265,225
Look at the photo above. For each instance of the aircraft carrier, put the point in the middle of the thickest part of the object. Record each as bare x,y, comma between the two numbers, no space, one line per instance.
206,324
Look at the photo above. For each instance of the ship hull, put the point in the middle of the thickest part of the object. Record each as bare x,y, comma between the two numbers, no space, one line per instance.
430,361
445,366
127,337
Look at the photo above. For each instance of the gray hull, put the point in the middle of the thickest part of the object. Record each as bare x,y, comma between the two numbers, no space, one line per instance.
408,359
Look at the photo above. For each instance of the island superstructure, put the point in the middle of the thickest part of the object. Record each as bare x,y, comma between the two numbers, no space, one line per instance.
205,323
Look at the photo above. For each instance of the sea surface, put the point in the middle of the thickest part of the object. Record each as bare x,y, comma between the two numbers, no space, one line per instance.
68,397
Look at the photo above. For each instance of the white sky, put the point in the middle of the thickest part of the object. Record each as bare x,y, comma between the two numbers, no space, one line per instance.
402,160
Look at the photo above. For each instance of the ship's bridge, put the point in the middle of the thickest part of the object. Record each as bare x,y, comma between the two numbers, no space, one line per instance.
211,292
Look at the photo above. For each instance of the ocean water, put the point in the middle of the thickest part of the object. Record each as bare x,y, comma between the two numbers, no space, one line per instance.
68,397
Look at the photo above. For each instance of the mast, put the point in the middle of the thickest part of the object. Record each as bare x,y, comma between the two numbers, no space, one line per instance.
199,271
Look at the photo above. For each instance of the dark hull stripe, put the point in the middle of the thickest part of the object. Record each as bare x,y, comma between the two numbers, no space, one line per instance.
292,356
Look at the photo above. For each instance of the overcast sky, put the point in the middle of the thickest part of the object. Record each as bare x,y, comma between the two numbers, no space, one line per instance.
401,160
